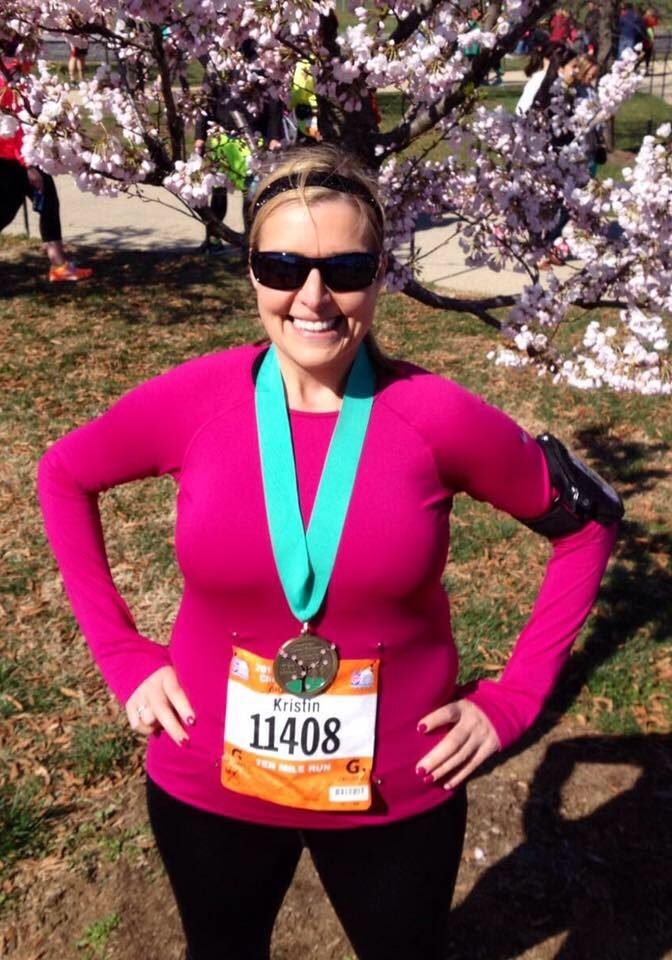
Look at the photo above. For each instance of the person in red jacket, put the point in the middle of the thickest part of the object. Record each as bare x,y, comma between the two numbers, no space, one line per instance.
18,180
561,27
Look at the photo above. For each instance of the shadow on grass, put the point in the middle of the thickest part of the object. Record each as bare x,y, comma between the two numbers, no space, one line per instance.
604,878
187,276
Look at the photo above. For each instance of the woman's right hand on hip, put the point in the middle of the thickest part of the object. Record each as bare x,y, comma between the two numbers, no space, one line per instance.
160,703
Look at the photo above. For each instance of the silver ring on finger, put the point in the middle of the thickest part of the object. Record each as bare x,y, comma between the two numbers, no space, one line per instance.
141,709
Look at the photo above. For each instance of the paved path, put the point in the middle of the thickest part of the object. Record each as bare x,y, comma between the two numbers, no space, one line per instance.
160,222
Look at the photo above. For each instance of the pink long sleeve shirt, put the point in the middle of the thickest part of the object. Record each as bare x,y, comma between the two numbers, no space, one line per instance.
428,439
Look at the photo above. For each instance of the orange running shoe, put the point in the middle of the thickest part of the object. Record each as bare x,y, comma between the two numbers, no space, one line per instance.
69,272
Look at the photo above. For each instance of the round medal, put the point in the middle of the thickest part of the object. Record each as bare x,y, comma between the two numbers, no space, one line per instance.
305,666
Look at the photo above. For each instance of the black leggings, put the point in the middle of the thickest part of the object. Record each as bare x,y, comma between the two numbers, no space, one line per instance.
391,886
15,186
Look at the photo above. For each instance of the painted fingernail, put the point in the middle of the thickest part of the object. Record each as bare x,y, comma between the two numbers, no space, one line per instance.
191,720
428,779
421,772
422,728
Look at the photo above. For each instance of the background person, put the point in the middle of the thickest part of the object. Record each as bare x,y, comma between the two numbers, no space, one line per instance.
650,21
19,181
242,125
79,48
587,75
556,75
591,28
548,62
352,739
561,27
472,50
631,29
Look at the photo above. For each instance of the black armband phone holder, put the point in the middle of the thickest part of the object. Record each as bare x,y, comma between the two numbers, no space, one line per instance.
582,495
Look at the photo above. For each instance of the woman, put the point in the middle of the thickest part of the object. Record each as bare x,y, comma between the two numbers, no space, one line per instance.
587,77
308,697
552,73
546,64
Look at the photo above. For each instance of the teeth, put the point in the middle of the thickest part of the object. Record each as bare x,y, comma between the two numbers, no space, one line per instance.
316,326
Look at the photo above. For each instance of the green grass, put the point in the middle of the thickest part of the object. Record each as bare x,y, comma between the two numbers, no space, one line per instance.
637,117
22,688
98,751
95,939
23,831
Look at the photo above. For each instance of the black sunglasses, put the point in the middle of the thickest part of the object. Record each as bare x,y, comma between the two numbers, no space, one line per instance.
342,273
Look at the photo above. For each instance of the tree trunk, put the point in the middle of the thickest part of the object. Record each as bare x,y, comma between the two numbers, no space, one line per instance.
607,40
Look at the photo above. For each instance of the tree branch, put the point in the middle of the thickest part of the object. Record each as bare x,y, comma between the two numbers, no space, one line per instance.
478,308
218,228
481,307
425,119
406,28
174,120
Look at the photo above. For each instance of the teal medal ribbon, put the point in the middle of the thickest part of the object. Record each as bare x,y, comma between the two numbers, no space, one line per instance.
305,558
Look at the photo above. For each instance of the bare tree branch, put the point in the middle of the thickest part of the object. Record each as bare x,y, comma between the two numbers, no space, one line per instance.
174,120
406,28
218,228
481,307
478,308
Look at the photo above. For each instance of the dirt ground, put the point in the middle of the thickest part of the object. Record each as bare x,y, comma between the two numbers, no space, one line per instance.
567,855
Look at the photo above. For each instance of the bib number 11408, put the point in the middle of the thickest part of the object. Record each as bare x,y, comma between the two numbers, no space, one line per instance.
307,735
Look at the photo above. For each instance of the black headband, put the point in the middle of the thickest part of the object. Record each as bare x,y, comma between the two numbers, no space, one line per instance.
331,181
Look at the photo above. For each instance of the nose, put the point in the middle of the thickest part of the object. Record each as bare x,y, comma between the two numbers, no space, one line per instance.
313,292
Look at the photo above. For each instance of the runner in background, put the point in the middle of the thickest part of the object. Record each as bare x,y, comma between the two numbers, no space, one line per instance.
228,130
19,181
79,48
303,103
309,696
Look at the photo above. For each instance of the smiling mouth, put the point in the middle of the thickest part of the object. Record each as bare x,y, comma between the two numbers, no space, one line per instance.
317,326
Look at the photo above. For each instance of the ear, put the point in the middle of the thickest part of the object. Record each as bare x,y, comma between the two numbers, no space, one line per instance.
253,279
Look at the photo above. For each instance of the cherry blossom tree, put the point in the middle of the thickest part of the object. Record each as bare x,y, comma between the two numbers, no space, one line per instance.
503,180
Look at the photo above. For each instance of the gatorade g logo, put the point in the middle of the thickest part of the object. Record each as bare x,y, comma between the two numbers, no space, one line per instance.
352,766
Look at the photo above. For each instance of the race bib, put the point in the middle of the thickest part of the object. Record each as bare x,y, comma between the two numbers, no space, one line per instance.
312,754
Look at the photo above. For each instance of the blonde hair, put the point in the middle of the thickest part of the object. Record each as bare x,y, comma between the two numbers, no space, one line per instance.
300,164
584,65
